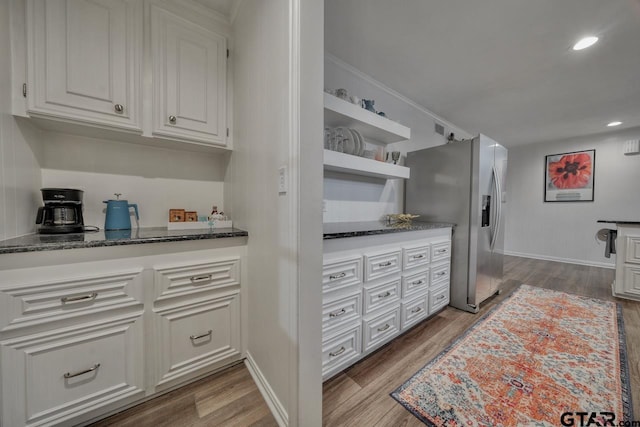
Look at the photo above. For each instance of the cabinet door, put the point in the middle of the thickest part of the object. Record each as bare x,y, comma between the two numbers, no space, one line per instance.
69,375
189,74
84,60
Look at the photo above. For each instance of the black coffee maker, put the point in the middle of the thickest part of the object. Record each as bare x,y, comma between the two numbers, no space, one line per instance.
62,211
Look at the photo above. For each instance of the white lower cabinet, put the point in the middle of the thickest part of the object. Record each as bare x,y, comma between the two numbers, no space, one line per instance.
381,327
195,337
342,349
376,287
78,341
56,376
627,281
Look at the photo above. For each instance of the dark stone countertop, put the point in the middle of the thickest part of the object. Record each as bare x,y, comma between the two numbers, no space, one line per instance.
51,242
339,230
619,222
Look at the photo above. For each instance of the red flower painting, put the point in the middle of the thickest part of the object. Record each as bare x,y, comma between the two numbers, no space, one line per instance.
571,171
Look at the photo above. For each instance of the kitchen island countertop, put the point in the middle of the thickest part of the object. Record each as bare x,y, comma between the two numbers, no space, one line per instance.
102,238
339,230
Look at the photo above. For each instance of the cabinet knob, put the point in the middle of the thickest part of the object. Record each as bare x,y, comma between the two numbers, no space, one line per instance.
173,120
119,108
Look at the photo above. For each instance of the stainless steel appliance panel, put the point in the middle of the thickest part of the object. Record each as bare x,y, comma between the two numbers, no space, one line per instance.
439,190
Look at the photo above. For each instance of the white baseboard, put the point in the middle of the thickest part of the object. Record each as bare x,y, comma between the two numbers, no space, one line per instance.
558,259
277,409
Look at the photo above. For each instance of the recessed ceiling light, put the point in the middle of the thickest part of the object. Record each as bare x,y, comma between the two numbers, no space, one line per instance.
614,124
585,43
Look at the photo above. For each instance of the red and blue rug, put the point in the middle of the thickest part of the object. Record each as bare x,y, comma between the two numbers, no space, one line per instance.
541,357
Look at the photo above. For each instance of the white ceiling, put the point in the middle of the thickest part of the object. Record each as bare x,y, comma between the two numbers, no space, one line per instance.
504,68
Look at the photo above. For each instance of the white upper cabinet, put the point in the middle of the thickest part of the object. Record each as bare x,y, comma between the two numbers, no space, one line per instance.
84,61
189,79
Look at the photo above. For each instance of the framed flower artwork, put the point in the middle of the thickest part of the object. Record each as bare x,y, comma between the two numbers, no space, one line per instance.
569,176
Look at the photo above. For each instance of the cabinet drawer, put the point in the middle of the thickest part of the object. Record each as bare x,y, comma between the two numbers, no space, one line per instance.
341,274
438,298
340,312
197,337
68,298
413,311
440,251
632,279
56,378
415,257
382,264
186,279
439,273
632,249
339,351
378,329
415,283
382,294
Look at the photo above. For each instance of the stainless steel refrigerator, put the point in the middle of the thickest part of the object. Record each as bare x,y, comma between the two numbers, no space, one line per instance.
464,183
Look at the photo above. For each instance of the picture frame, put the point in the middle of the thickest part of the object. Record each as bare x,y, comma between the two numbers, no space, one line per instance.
570,177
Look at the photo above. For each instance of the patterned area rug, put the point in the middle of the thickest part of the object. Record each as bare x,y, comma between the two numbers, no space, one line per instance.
536,356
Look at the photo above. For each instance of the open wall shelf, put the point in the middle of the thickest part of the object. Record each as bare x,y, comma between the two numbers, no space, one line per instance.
347,163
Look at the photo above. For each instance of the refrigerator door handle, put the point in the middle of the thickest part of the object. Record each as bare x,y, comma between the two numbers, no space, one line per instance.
498,207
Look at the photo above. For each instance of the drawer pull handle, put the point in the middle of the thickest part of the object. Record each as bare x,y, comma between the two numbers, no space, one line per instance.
442,251
337,276
419,256
442,273
385,264
384,328
417,282
337,353
386,294
197,337
203,278
441,297
91,296
86,371
338,313
417,310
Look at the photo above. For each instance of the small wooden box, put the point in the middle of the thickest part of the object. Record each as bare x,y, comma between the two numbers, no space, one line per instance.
176,215
191,216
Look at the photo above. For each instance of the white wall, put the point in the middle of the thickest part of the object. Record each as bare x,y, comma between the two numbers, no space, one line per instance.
349,198
264,141
565,231
19,169
157,179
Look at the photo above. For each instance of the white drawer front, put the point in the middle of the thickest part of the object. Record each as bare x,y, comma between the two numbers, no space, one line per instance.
438,298
633,249
378,329
339,351
383,264
414,311
66,298
381,294
341,274
197,337
440,251
56,377
195,277
439,274
415,257
632,279
340,312
416,283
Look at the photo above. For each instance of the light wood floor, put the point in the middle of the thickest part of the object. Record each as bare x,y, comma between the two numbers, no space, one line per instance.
229,398
359,396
